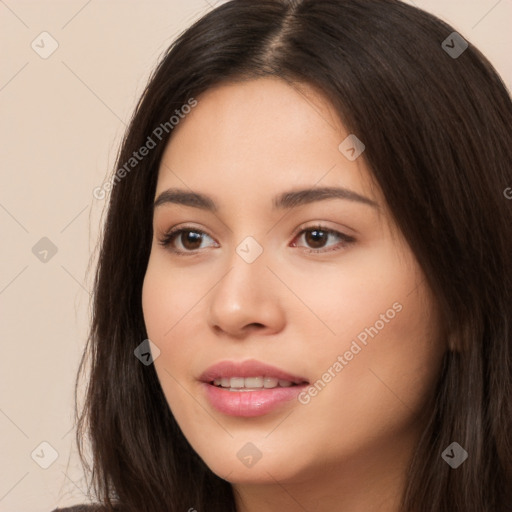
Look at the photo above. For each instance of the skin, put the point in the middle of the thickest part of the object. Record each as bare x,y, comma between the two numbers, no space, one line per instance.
347,449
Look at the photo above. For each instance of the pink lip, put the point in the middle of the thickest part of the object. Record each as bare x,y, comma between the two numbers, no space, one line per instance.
249,368
249,403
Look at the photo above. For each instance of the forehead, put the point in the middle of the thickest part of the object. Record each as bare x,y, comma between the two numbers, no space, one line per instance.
257,137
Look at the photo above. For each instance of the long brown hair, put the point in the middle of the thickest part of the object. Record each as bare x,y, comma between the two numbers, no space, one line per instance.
437,131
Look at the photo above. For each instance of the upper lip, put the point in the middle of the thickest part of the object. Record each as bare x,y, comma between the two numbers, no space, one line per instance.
249,368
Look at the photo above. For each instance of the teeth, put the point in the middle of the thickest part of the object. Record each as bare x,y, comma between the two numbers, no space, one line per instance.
270,382
236,383
253,382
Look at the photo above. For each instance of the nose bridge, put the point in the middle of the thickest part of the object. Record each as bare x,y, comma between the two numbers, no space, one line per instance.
248,269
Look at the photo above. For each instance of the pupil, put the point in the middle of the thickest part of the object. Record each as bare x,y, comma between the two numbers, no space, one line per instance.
190,236
316,243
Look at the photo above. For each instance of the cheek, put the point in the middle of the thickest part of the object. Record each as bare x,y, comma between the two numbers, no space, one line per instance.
156,303
390,360
167,298
408,361
173,304
166,302
379,364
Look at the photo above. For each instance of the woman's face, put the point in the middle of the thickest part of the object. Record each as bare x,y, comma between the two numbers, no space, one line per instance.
352,325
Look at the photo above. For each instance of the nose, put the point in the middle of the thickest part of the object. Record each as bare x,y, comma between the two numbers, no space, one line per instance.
248,298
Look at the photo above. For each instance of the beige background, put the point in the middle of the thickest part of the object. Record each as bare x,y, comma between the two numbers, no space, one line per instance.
62,119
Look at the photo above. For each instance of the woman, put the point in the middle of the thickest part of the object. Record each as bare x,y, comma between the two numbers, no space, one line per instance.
303,297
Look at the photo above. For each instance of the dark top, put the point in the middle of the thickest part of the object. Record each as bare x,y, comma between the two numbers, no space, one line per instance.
81,508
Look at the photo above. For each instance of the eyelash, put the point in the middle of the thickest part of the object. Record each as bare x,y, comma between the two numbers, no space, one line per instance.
168,237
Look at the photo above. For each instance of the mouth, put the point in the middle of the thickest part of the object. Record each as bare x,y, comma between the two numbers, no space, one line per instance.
253,383
249,374
249,388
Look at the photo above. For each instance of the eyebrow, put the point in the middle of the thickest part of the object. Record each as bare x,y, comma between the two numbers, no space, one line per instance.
285,200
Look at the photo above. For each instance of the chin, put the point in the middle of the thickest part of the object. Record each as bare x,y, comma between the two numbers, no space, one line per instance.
271,467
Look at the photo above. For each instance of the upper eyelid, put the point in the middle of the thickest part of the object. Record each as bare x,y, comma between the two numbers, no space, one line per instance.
344,230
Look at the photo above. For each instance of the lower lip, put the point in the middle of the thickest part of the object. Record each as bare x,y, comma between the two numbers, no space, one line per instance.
249,403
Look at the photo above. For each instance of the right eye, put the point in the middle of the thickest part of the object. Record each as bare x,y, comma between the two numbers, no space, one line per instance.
189,242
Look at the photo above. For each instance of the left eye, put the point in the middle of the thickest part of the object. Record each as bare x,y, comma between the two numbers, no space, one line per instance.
316,236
